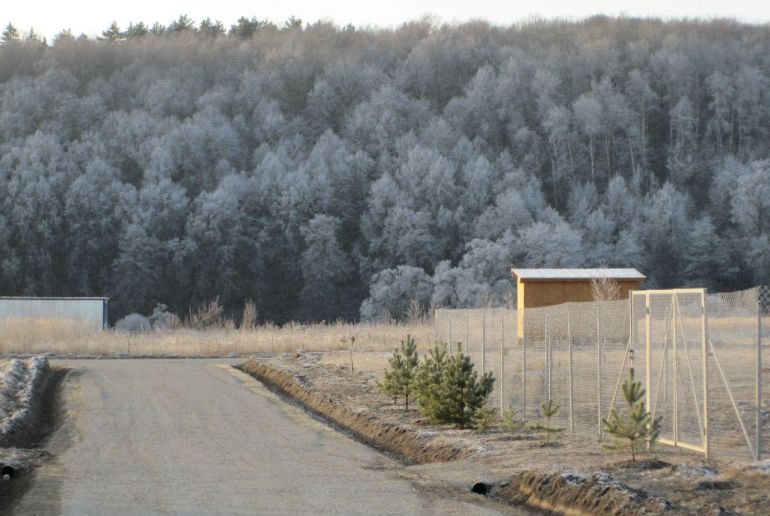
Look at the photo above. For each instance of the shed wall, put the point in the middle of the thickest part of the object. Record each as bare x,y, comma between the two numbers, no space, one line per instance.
533,294
91,312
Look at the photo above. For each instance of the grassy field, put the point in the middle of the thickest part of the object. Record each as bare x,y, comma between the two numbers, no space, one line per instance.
66,338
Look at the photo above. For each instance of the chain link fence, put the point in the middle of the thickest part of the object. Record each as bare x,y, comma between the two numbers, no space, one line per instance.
699,356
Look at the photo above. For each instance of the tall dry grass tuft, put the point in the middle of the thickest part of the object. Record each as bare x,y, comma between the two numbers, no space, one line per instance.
33,336
249,318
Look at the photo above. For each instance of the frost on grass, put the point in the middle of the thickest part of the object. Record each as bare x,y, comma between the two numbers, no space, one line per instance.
22,384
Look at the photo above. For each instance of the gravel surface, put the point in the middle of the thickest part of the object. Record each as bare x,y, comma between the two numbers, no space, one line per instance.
199,437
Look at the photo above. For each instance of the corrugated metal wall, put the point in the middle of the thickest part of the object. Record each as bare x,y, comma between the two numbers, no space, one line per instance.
89,311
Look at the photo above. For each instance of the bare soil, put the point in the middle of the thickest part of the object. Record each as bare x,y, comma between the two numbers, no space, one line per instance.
571,476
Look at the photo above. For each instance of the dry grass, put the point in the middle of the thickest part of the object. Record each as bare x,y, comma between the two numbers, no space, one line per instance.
68,338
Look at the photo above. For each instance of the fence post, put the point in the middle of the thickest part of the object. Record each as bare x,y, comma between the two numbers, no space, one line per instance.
571,384
502,361
449,333
435,325
704,337
467,330
598,372
758,444
524,378
550,359
483,339
546,379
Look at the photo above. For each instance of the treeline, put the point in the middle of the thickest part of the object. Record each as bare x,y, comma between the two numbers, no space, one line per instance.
328,172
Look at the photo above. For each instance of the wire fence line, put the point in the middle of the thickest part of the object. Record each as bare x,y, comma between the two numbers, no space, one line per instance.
699,357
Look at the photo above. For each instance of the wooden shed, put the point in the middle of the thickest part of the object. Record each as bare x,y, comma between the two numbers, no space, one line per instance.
545,287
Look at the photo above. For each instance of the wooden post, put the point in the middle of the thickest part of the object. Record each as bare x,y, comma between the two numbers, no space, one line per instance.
467,330
483,339
449,333
704,344
598,372
502,361
435,325
648,354
758,443
674,376
524,379
571,383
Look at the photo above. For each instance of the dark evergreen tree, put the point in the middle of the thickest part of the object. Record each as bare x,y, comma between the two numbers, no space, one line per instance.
112,33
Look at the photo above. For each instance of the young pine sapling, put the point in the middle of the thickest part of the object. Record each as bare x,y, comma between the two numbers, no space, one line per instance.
511,421
548,409
635,425
400,378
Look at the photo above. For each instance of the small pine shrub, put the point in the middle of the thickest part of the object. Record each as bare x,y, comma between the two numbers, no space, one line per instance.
449,389
635,425
511,421
548,409
400,378
486,418
428,377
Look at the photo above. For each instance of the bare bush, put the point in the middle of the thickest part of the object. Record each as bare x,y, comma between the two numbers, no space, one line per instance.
207,316
605,289
133,323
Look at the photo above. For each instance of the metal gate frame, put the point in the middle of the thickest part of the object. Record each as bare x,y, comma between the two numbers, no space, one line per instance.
675,318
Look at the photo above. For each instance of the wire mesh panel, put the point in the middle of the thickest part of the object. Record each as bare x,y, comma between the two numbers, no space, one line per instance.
488,337
735,379
579,354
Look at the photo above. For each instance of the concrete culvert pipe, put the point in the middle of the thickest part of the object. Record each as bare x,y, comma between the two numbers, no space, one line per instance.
7,472
481,488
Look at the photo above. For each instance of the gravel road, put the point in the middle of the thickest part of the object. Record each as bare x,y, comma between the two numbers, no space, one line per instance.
199,437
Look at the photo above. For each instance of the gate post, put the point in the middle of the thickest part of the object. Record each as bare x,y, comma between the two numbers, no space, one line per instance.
675,367
648,353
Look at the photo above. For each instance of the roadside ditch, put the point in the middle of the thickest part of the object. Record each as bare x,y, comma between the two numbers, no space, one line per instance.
565,478
28,392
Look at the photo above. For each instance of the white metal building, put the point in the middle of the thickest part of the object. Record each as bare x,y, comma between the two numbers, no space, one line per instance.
91,311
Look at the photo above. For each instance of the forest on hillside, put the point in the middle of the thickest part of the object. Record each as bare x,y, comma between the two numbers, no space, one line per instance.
341,173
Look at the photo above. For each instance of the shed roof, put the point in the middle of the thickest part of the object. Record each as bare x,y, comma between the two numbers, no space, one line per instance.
50,298
576,274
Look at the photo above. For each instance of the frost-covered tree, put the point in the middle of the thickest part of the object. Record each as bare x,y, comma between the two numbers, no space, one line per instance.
326,272
175,163
393,290
555,244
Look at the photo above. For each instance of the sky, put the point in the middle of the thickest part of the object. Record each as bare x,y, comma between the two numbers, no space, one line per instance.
91,17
